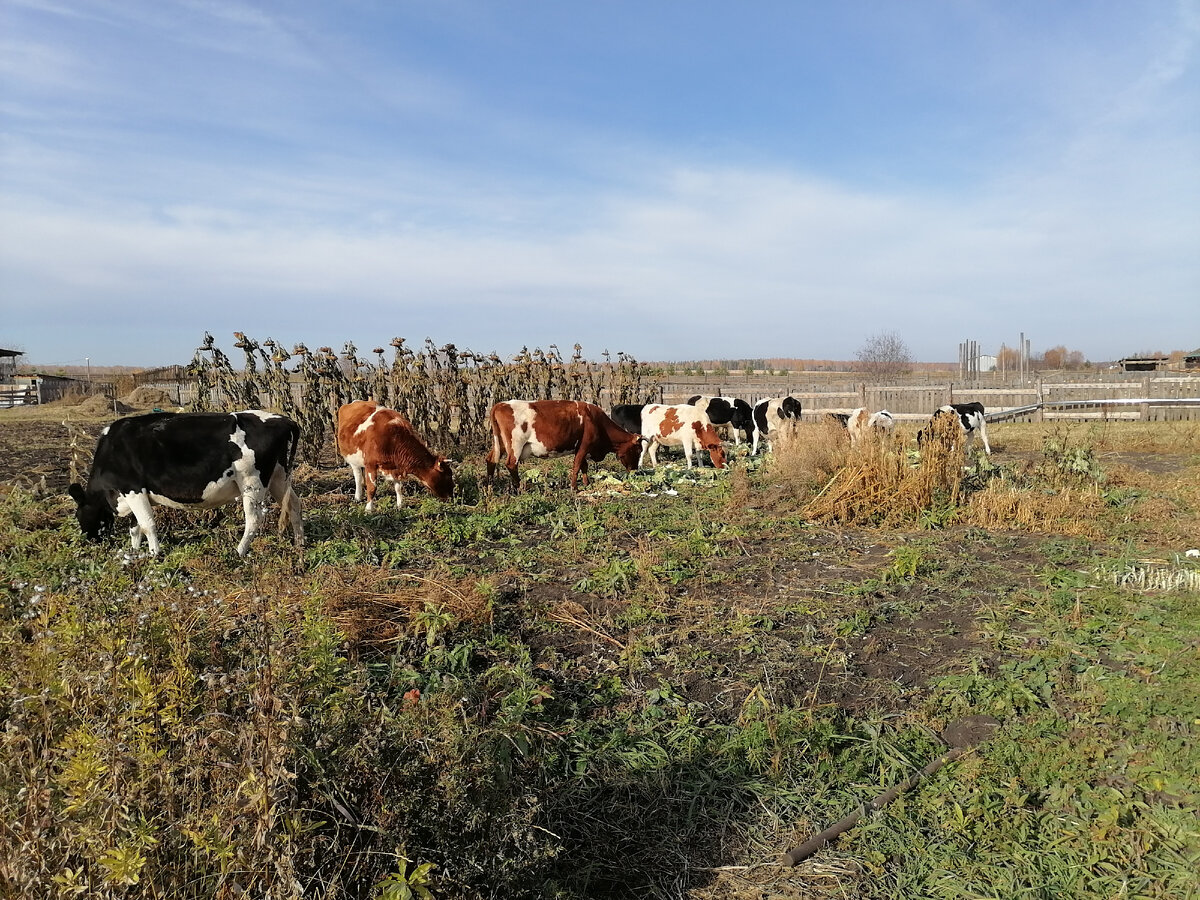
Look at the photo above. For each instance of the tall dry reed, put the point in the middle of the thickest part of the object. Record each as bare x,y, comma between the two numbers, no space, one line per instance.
444,391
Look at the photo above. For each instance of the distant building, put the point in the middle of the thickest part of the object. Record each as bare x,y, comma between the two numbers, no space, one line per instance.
8,365
985,363
1143,363
1192,360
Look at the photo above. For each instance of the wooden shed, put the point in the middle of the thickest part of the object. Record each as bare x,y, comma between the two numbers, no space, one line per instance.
1143,363
8,364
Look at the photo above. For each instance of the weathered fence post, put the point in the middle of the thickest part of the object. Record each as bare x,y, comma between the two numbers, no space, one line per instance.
1040,414
950,392
1144,408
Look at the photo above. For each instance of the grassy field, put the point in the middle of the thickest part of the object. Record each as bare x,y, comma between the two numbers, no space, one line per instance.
651,689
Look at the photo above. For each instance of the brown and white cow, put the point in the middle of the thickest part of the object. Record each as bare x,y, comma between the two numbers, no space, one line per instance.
683,426
379,442
525,428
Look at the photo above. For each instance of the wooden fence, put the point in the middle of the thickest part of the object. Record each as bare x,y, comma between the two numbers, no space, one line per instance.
1153,398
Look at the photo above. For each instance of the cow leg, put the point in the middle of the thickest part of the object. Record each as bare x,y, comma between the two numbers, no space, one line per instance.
357,469
653,449
687,453
493,458
397,486
254,498
139,504
289,504
372,476
983,434
581,460
514,453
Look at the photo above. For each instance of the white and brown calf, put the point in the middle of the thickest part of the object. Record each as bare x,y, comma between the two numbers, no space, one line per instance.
377,442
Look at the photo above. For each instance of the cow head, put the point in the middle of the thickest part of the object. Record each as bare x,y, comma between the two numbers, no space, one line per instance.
441,480
93,512
710,442
629,451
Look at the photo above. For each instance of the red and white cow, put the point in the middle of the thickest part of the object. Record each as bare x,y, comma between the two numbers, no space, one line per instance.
525,428
683,426
376,441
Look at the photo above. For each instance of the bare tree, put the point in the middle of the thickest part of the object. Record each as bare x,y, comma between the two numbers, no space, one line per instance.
884,355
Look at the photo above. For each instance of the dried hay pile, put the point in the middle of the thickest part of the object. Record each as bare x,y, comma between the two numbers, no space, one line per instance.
99,405
71,399
148,398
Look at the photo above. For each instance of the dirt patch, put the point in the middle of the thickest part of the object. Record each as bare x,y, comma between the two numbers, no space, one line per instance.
31,451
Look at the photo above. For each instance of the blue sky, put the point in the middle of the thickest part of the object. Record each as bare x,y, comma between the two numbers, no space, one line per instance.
676,180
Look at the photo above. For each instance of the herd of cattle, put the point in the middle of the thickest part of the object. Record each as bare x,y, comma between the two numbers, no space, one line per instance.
204,460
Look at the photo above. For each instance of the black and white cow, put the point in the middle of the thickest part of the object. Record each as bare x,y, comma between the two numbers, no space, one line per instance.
187,460
970,418
628,416
770,414
862,423
730,411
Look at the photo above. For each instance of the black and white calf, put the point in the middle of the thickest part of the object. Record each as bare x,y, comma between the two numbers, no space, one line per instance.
770,414
970,418
728,411
862,423
190,460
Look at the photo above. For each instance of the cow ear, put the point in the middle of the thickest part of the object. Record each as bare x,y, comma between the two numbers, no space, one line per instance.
444,464
77,494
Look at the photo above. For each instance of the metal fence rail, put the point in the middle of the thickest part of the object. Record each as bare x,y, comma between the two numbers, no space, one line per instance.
1107,408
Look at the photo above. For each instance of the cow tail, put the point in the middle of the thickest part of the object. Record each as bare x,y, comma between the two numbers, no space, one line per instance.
289,506
294,448
494,456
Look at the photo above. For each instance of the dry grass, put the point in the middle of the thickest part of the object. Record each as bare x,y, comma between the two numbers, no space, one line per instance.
375,610
806,455
1111,436
873,483
1077,510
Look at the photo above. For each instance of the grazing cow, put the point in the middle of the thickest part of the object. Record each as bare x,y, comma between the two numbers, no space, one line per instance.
971,420
860,423
836,418
629,416
376,441
730,411
681,426
769,414
186,460
524,428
